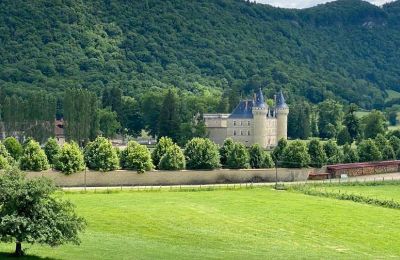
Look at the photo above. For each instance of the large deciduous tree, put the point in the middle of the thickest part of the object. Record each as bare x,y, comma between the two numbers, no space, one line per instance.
330,115
30,213
374,123
169,118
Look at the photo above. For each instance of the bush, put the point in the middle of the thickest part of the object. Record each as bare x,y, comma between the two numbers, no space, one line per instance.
202,153
333,153
295,155
317,153
69,159
268,162
173,159
33,157
368,151
388,153
350,155
100,155
257,156
278,151
381,142
51,148
394,141
161,148
344,137
225,149
238,157
136,157
5,157
13,147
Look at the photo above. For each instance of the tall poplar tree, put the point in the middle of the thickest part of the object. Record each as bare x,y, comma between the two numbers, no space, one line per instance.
169,118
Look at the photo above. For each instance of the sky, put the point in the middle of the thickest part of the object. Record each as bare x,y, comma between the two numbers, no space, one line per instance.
307,3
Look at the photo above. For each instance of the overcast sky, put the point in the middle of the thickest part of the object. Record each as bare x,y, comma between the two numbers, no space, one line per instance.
307,3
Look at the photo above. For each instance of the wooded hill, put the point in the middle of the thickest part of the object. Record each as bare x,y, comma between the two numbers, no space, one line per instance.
347,49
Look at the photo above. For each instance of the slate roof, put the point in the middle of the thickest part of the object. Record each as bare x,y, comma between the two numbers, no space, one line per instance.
243,110
280,101
259,100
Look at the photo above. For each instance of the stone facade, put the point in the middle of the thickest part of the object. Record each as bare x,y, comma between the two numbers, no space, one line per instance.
251,122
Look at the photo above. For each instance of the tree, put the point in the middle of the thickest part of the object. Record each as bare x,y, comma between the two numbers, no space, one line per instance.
352,123
30,213
330,115
388,153
100,155
130,116
395,143
368,151
33,158
317,153
299,120
112,97
169,119
108,122
202,153
13,147
173,159
295,155
69,159
238,157
374,123
257,156
343,137
225,149
268,162
333,153
51,148
136,157
5,157
163,144
350,155
381,142
277,153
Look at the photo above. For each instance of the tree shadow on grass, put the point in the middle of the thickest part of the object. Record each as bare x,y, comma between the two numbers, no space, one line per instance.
25,257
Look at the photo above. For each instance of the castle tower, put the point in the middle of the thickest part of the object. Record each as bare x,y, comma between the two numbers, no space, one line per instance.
259,112
282,111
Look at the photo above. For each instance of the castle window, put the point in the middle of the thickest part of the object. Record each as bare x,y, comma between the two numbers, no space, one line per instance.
241,122
234,132
248,132
248,123
241,132
234,123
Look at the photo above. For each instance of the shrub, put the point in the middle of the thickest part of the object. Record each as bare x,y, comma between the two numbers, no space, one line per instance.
33,157
278,151
394,141
381,142
100,155
13,147
344,137
350,155
69,159
333,153
225,149
5,157
51,148
295,155
136,157
202,153
317,153
161,148
173,159
368,151
257,156
268,162
388,153
238,157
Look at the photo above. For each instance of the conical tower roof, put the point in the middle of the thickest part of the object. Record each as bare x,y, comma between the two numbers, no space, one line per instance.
280,101
259,99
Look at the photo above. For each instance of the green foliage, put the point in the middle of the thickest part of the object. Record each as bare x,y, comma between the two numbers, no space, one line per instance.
317,153
330,115
30,213
299,120
333,153
130,116
202,153
268,162
238,157
100,155
277,153
173,159
136,157
163,144
394,142
70,159
13,147
368,151
388,153
169,120
352,123
350,154
51,148
108,122
295,155
373,124
33,158
5,157
344,137
257,156
225,149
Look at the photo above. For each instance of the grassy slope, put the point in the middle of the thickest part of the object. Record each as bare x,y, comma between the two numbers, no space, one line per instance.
254,223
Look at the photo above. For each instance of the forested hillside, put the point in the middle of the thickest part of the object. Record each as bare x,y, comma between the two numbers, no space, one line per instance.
347,50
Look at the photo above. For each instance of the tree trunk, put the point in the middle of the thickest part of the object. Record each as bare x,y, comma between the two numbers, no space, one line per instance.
18,249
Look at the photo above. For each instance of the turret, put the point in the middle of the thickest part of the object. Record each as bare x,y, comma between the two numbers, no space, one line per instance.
259,110
282,111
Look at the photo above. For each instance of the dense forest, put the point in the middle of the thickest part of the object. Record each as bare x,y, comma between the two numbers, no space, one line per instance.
346,50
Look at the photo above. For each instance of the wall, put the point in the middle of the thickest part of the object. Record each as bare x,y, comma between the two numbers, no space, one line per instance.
130,178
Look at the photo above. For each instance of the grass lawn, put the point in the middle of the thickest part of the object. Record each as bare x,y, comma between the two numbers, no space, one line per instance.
257,223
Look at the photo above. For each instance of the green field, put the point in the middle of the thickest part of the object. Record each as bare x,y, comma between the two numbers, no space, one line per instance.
258,223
